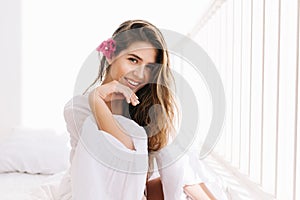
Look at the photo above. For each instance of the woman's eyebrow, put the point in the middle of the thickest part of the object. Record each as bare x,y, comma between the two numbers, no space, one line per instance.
137,57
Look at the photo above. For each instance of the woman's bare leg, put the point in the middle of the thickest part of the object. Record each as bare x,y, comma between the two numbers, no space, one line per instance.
154,190
198,192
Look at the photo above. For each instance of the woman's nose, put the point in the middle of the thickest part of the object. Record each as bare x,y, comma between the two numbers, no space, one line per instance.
139,72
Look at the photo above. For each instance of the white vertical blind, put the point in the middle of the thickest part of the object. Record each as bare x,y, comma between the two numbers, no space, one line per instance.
236,70
255,45
270,95
223,60
245,86
228,88
286,112
297,139
256,90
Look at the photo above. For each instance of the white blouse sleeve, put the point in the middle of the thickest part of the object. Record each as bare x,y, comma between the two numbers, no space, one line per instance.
171,175
101,166
104,168
76,111
187,169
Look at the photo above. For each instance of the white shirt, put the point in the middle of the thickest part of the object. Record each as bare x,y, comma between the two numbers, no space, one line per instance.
102,174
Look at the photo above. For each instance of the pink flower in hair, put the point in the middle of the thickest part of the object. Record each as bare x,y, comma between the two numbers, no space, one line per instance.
107,47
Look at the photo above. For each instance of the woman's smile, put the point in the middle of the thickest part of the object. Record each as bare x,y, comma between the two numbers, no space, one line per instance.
132,82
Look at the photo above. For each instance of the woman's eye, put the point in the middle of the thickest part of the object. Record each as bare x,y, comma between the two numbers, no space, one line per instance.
133,60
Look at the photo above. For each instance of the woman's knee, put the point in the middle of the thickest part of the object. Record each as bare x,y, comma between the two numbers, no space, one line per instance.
154,189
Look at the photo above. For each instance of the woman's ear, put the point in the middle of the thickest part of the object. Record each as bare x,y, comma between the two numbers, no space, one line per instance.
109,60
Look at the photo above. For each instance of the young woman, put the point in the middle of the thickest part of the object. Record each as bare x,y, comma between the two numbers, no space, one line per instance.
131,110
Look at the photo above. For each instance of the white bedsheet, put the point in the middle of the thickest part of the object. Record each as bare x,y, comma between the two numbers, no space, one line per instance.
22,186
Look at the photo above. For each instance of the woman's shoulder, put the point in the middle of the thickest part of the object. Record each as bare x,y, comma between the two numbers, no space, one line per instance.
77,109
77,101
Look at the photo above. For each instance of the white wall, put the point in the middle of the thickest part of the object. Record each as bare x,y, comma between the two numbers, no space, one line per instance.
10,65
45,43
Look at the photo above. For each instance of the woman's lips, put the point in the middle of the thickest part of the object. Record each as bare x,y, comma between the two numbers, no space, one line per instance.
132,83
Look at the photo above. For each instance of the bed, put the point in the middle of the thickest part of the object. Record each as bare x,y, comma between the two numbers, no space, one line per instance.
32,163
24,186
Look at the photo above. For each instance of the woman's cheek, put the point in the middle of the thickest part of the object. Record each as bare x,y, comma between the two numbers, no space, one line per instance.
117,72
124,69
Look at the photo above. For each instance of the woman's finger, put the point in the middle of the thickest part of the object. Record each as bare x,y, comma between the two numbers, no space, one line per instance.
116,96
128,93
116,90
133,98
121,89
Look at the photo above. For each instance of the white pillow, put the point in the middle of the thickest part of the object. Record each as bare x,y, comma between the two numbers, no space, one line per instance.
35,151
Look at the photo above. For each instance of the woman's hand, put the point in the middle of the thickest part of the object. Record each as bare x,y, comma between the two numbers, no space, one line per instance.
198,192
103,115
115,90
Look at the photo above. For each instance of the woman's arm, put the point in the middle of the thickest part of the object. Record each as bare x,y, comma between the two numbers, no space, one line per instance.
103,115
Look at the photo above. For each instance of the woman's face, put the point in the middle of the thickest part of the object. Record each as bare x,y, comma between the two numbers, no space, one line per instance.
132,67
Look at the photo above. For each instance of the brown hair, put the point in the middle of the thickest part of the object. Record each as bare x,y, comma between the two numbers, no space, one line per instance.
158,121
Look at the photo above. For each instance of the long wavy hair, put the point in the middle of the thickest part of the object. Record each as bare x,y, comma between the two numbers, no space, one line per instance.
156,112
